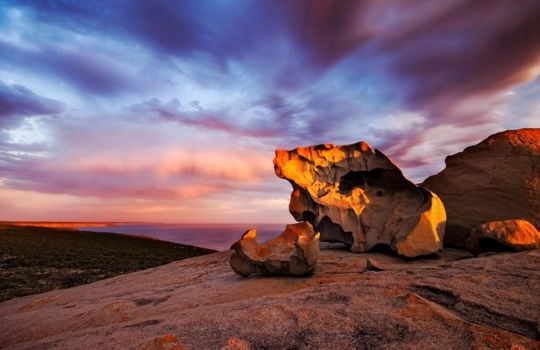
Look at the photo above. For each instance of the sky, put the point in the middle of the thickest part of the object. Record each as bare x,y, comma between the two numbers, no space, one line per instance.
170,111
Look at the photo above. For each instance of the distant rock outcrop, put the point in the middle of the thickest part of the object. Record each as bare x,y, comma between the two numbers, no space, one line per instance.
358,196
512,235
294,252
497,179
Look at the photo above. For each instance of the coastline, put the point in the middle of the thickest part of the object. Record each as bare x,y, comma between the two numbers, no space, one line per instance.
62,224
36,259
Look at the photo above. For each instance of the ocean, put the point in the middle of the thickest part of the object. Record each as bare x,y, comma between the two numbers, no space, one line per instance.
213,236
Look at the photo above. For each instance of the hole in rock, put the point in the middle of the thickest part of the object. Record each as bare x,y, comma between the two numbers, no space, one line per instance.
391,180
351,180
382,248
308,216
331,232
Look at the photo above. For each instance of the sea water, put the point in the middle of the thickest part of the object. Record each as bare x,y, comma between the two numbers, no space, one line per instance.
213,236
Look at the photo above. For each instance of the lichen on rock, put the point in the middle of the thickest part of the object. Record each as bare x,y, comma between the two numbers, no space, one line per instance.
358,196
294,252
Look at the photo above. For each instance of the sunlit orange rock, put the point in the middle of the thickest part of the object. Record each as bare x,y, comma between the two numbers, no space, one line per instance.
358,196
497,179
167,342
513,235
235,343
294,252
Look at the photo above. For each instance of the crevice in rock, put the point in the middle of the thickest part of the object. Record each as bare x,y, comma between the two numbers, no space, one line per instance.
443,297
144,324
476,313
148,301
481,314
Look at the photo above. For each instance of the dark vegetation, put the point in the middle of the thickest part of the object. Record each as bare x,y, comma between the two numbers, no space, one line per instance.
39,259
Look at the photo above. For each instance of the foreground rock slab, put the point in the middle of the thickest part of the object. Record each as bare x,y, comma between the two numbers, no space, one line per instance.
358,196
512,235
497,179
441,302
294,252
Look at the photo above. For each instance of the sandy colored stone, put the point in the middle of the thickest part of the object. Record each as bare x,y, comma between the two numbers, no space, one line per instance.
373,265
166,342
294,252
514,235
358,196
236,344
497,179
446,301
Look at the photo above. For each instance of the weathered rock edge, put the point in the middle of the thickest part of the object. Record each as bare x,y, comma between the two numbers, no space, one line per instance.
358,196
294,252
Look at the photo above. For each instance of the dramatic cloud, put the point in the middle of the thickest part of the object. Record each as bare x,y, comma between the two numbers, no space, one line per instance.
147,108
18,102
446,47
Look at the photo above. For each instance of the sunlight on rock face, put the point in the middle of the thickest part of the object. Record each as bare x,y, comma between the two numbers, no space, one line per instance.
511,235
358,196
496,179
294,252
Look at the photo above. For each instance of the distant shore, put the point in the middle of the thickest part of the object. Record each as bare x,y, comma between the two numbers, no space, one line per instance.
63,224
35,259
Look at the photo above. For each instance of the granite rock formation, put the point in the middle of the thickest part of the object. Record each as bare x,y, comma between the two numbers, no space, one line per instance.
497,179
294,252
358,196
441,302
510,235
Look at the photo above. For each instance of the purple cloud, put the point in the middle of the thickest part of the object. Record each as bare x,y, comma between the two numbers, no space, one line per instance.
438,53
218,120
418,80
89,73
18,102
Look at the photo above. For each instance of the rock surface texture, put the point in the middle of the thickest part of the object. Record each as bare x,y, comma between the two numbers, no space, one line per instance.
513,235
358,196
294,252
497,179
489,302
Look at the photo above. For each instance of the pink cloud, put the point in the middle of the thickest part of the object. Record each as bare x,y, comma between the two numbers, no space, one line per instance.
163,172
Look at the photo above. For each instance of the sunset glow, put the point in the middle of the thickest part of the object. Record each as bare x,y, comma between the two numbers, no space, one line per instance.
170,111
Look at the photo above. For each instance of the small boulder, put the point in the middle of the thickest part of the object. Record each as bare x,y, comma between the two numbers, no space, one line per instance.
358,196
373,265
511,235
294,252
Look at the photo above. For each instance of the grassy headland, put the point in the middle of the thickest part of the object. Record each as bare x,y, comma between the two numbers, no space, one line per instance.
38,259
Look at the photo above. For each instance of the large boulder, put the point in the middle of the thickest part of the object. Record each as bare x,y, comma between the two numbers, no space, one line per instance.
497,179
358,196
510,235
294,252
